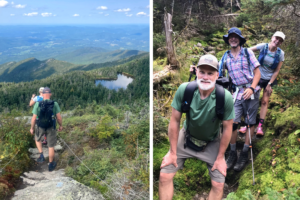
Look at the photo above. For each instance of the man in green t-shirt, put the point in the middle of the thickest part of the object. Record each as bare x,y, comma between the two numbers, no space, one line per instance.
204,128
50,132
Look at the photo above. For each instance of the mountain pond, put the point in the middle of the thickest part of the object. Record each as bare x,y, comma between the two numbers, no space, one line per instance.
121,82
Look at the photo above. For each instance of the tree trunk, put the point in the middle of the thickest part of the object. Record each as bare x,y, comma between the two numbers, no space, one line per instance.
170,49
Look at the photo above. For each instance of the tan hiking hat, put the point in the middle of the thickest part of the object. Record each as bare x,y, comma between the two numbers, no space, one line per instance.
209,60
279,34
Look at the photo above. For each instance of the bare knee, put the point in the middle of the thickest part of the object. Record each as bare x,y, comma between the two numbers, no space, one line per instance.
165,178
216,186
264,102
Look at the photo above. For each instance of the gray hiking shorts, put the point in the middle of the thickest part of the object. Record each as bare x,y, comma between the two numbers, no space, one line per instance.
209,155
241,107
50,134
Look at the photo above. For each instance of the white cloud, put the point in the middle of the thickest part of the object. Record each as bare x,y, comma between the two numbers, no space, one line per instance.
20,6
3,3
12,14
113,45
129,15
141,13
76,15
102,8
106,15
31,14
54,15
46,14
123,10
148,6
12,3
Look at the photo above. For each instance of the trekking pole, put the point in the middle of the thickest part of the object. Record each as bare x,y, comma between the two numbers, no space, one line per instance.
194,72
250,145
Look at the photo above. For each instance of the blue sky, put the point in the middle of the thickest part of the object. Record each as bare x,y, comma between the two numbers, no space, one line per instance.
45,12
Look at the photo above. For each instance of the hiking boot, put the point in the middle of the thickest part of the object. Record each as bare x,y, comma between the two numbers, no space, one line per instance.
41,158
230,161
243,159
243,129
259,132
52,166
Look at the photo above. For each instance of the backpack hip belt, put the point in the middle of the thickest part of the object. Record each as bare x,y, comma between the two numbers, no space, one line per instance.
194,143
238,87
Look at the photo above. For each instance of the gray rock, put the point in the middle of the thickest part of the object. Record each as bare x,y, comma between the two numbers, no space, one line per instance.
26,118
225,186
199,44
212,52
35,154
57,189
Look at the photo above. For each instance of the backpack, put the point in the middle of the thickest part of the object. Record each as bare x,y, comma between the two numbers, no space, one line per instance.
186,104
220,97
39,99
222,64
263,53
45,117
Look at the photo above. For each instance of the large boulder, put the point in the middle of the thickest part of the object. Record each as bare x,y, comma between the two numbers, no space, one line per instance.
54,186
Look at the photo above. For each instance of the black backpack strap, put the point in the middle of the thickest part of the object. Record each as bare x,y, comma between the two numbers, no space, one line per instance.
220,101
188,96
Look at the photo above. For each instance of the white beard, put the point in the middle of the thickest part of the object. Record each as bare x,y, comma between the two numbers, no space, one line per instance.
205,86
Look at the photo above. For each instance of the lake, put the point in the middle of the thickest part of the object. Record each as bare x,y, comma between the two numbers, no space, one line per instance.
121,82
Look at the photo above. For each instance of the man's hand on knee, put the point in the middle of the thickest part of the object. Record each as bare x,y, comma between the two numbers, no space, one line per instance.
220,165
168,159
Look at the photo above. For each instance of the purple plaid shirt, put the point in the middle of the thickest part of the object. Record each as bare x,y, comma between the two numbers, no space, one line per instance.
239,71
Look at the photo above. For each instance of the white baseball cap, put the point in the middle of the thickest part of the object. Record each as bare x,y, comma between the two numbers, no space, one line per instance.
41,89
279,34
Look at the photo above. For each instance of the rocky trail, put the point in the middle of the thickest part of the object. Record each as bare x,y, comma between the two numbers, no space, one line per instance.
38,183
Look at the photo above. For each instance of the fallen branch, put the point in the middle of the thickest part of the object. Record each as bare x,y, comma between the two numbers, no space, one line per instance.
164,104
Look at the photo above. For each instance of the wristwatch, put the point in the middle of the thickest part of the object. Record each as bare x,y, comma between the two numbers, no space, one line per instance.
269,83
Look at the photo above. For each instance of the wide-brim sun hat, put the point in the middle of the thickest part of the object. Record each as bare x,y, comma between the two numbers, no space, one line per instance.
236,31
209,60
279,34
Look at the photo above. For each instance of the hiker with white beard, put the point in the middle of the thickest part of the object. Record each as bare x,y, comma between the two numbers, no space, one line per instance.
199,138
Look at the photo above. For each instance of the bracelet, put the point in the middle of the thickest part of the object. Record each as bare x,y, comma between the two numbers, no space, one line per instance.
252,89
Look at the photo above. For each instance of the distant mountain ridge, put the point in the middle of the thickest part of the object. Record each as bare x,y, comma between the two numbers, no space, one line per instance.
32,68
88,55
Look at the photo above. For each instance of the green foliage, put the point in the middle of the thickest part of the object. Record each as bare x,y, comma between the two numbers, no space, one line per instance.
241,19
271,194
104,129
15,139
159,41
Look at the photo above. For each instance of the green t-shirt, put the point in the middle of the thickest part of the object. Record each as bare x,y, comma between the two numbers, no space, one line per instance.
36,108
202,113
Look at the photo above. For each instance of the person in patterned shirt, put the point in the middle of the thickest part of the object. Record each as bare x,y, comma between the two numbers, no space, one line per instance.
245,74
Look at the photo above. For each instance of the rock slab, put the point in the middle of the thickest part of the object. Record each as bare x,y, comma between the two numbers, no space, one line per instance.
54,186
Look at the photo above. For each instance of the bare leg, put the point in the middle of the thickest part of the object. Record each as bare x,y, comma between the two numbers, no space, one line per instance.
234,136
247,140
166,188
39,146
216,192
51,154
264,105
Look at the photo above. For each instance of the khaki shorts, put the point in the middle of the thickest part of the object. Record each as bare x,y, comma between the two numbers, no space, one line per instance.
209,155
50,134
